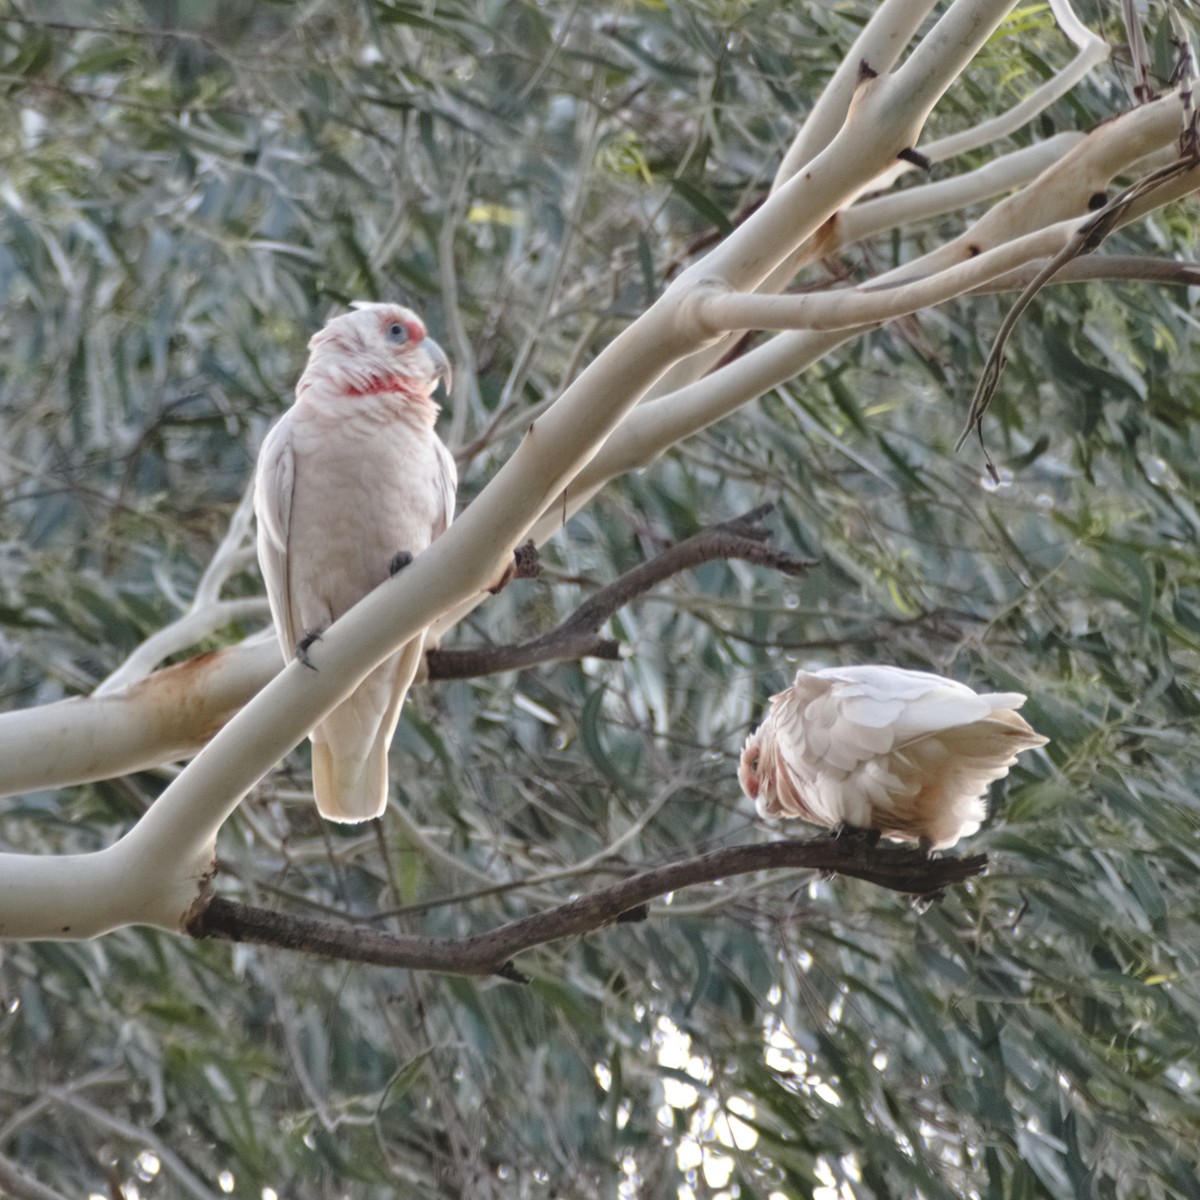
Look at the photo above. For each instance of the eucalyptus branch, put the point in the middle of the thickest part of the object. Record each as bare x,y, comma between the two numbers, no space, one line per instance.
880,301
155,874
880,214
207,612
880,43
1092,50
578,636
1102,268
162,718
877,47
901,870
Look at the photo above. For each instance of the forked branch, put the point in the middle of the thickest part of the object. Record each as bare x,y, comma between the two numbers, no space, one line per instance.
578,636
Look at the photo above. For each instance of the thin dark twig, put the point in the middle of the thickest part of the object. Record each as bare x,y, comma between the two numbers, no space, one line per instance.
901,870
76,93
578,636
1084,240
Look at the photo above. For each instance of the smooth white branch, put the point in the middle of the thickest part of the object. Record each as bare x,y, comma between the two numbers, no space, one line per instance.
207,612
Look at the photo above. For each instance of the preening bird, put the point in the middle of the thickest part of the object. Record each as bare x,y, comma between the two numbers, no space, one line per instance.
906,753
352,483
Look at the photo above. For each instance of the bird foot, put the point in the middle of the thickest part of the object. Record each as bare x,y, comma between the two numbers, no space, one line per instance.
852,837
526,562
922,904
509,972
914,156
525,565
302,647
632,915
399,561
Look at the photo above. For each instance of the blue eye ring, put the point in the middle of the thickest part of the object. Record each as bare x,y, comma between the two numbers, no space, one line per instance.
397,334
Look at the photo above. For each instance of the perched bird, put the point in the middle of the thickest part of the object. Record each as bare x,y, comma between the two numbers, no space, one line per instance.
903,752
351,484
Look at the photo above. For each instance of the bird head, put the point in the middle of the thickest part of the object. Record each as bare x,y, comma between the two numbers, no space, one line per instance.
750,769
376,350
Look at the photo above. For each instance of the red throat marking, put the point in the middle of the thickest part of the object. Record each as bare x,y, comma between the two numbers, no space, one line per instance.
381,384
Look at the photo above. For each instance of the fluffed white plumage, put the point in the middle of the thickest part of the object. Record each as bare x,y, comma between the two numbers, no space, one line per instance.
351,475
904,752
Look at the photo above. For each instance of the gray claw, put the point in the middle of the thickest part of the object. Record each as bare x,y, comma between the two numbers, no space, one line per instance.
313,636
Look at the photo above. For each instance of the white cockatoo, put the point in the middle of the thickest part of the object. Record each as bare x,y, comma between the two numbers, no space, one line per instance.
351,484
906,753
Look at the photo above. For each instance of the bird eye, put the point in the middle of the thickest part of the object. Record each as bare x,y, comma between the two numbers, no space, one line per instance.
397,334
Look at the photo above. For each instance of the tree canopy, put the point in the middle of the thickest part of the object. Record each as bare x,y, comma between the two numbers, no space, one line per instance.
189,191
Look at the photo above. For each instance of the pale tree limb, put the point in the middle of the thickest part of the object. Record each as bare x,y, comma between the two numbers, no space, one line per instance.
878,215
877,49
869,218
1092,51
971,259
853,308
194,626
1067,189
885,117
880,44
207,612
901,870
657,426
1062,191
161,718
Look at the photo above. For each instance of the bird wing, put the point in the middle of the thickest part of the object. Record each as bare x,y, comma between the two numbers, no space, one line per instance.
447,483
350,745
828,724
274,484
911,704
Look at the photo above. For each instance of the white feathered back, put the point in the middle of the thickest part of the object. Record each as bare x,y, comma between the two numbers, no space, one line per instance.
905,752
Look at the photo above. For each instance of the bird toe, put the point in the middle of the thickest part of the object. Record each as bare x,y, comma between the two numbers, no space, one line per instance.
303,645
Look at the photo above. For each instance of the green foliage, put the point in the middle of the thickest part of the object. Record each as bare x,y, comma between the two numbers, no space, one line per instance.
189,191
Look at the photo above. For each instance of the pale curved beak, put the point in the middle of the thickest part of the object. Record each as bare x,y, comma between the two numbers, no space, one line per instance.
438,362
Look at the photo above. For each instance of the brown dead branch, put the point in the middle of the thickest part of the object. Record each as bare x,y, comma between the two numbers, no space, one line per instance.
578,636
901,870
